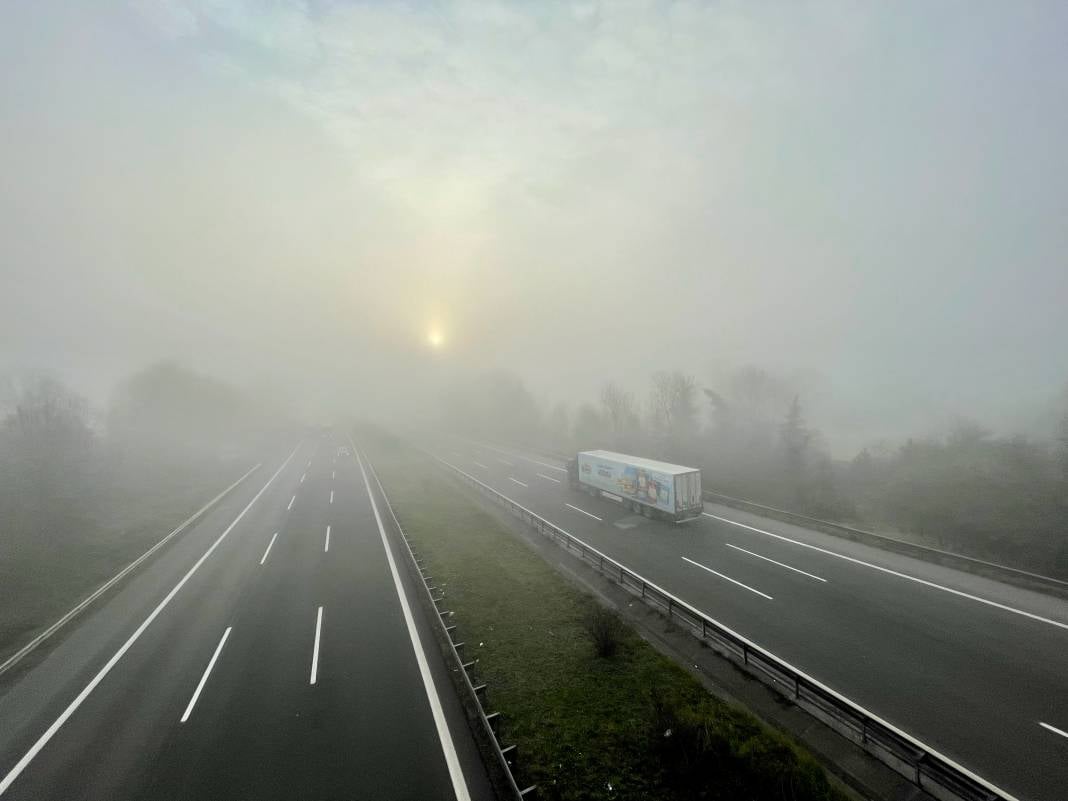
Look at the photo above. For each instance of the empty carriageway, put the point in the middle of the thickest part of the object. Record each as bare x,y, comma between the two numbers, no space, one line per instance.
976,669
262,661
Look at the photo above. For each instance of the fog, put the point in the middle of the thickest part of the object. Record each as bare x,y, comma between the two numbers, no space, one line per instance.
866,202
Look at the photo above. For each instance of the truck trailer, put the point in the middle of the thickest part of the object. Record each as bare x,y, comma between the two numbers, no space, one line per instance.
654,489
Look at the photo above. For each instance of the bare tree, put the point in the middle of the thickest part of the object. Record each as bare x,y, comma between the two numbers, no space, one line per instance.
795,437
620,414
673,411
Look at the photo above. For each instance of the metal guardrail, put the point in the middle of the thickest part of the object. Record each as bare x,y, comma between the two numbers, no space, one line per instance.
934,773
1012,574
506,755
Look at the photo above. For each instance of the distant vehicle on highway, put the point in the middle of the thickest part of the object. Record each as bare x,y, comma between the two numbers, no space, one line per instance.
648,487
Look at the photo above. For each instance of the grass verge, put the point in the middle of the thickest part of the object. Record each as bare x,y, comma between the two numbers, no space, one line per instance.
626,724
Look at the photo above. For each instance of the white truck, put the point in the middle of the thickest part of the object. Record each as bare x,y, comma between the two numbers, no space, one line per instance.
648,487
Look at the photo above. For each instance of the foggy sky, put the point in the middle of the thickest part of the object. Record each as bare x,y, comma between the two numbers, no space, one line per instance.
292,194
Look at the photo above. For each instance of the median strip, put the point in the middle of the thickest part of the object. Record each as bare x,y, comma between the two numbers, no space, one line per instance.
583,722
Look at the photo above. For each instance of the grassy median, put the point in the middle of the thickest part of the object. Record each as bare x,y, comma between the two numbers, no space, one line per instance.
628,725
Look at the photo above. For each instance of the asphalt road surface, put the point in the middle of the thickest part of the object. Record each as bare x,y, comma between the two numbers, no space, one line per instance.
974,668
250,659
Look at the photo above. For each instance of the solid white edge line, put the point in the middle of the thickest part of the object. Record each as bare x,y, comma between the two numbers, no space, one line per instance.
204,678
452,760
583,511
728,578
517,481
780,564
906,576
547,478
315,648
759,649
42,741
269,545
291,503
326,545
1053,729
44,635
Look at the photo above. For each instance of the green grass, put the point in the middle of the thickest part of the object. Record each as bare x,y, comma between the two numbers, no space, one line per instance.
630,726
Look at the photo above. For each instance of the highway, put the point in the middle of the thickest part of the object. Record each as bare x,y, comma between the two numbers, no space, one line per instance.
976,669
276,650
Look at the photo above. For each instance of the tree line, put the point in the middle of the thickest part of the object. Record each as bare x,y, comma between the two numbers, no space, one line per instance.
996,497
64,467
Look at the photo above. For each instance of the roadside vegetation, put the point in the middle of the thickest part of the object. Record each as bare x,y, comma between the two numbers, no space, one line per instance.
1003,498
595,711
82,494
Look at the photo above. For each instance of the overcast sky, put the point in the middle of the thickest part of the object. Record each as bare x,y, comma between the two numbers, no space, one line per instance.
296,193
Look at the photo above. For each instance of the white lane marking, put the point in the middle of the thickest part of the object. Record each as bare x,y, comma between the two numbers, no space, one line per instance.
305,475
517,481
331,496
526,459
728,578
333,474
42,741
924,582
1053,729
504,461
482,465
204,678
44,635
269,545
315,648
326,545
547,478
583,511
309,463
459,784
780,564
291,503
